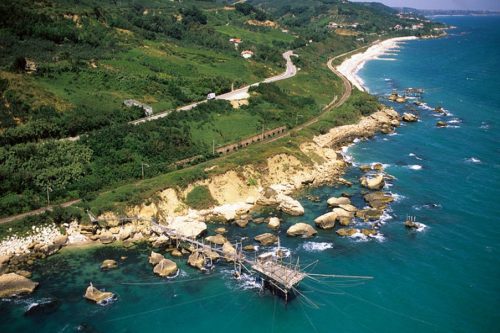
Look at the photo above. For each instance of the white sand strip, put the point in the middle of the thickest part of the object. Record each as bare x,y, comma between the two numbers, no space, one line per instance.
351,66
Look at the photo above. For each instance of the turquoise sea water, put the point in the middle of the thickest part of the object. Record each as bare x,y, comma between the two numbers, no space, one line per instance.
443,279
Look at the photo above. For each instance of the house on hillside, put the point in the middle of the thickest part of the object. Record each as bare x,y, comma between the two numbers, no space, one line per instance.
398,27
247,54
332,25
235,40
148,109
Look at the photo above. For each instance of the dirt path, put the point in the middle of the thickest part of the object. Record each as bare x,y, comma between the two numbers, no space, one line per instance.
37,211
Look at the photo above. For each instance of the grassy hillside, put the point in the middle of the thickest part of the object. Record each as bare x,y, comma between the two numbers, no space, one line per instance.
67,65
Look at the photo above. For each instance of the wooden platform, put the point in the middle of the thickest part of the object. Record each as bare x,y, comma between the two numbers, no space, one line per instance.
285,277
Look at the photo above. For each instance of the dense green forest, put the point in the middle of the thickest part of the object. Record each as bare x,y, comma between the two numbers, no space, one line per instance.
66,66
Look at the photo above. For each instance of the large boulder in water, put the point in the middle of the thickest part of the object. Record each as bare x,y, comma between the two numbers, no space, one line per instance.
289,205
374,182
266,239
165,267
326,221
98,296
197,260
13,284
274,223
409,117
301,229
335,202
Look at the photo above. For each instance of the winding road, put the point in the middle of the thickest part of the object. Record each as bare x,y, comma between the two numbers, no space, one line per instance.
240,93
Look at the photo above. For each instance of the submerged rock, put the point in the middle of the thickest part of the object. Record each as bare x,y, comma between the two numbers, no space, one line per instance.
165,267
176,253
98,296
441,124
301,229
13,284
369,232
266,239
109,264
42,307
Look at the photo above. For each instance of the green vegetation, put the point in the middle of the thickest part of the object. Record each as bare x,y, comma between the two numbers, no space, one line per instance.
200,198
67,66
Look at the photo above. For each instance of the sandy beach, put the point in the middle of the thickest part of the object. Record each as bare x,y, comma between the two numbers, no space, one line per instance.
351,66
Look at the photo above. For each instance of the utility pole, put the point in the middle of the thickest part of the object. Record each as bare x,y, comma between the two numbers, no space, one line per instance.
213,146
142,168
262,132
48,196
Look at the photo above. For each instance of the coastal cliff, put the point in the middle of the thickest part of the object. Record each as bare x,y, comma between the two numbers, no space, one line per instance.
235,192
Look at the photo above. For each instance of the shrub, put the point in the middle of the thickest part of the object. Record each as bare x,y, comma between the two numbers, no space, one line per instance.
200,198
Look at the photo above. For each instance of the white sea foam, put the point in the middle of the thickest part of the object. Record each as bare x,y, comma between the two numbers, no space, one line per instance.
397,197
473,160
425,106
455,121
414,167
316,246
413,155
484,125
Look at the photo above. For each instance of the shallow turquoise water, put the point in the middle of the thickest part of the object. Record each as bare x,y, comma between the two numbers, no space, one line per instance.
444,279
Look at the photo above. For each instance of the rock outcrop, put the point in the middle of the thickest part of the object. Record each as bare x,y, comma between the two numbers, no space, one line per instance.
373,182
98,296
13,284
301,229
409,117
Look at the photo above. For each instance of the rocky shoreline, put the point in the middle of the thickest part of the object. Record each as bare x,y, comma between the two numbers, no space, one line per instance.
273,186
